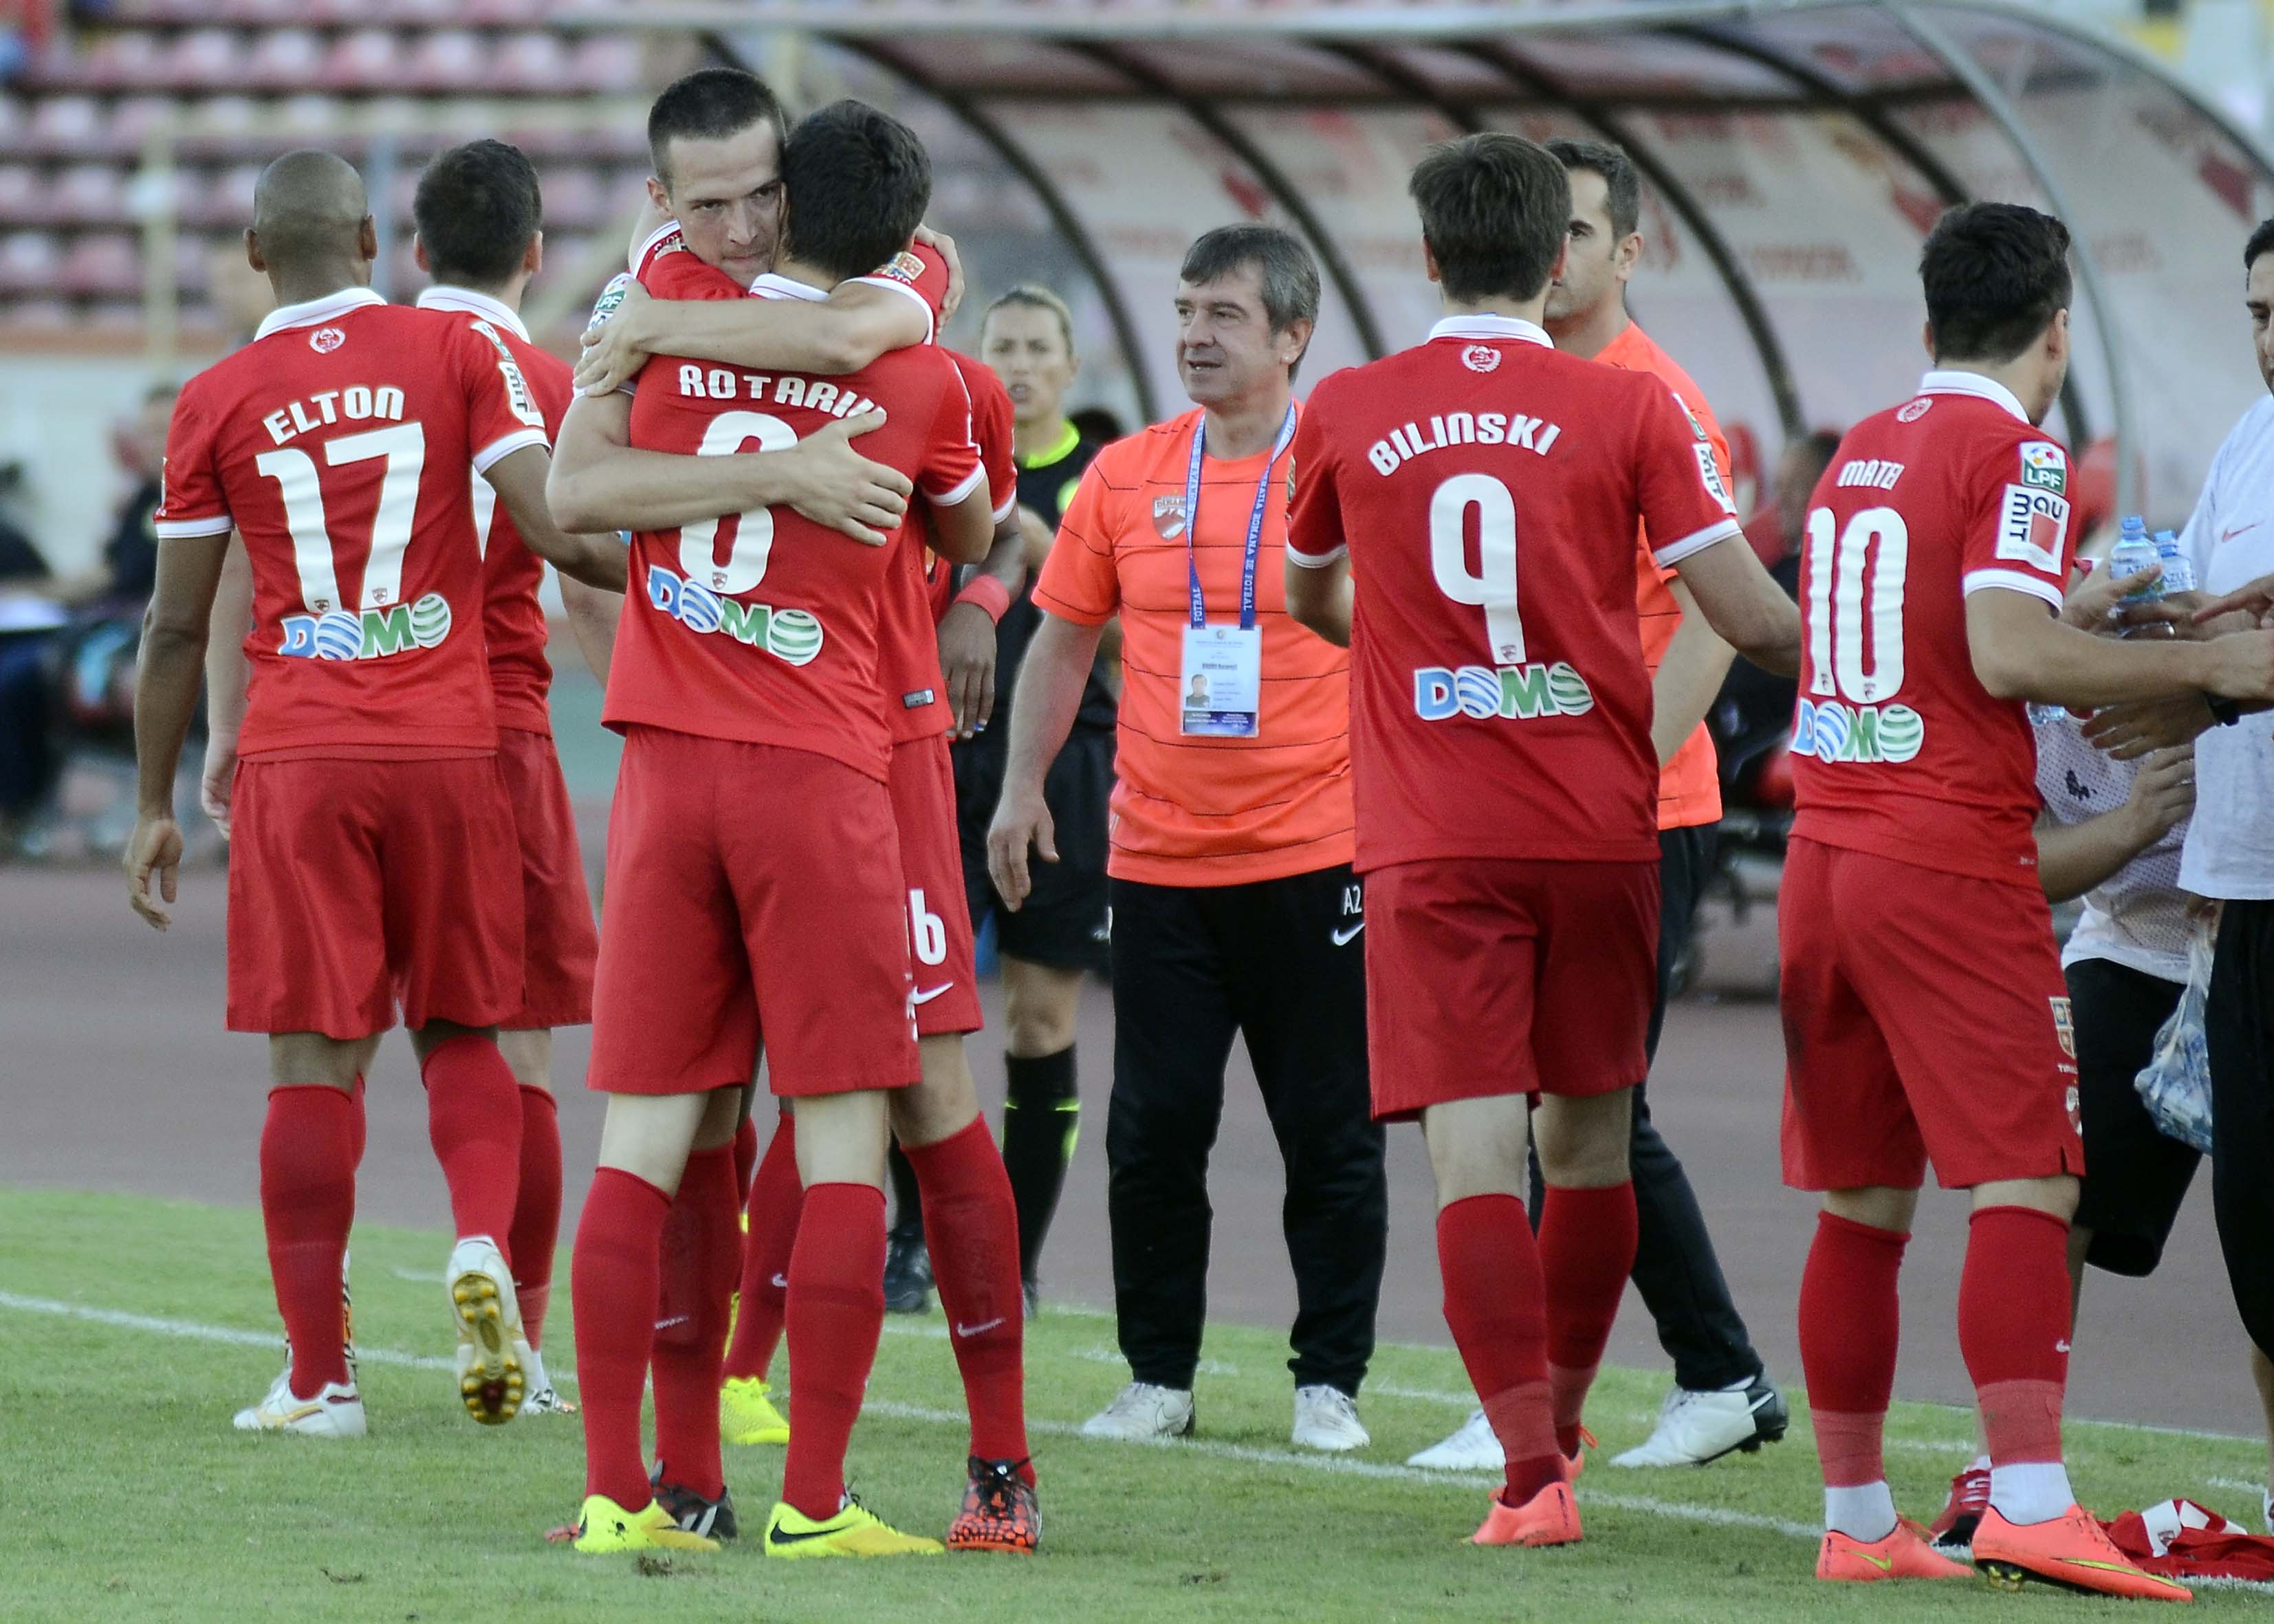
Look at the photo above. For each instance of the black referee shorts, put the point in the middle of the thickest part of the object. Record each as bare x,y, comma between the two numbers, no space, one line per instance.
2135,1176
1064,923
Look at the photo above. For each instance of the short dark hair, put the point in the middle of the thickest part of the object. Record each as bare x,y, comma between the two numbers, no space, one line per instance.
1995,274
709,104
1289,276
1622,181
858,181
477,208
1495,210
2261,240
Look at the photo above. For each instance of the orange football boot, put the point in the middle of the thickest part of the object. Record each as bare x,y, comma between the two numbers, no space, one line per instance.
1906,1553
1550,1517
2071,1551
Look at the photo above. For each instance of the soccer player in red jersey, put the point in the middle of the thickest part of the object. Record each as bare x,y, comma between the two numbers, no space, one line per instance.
374,862
479,211
1505,782
754,877
1924,1011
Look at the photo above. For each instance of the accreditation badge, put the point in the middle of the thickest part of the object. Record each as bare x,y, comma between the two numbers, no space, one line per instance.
1220,686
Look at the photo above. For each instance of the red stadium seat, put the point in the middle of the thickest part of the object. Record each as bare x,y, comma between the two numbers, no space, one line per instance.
101,263
204,58
40,315
368,59
448,59
62,125
536,63
574,199
20,194
606,62
284,59
225,202
134,119
89,194
29,262
127,61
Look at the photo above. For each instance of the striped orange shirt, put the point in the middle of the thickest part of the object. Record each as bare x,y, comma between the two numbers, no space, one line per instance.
1203,811
1690,784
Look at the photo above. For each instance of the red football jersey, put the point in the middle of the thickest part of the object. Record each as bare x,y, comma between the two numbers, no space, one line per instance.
337,443
1897,748
513,618
1485,722
728,634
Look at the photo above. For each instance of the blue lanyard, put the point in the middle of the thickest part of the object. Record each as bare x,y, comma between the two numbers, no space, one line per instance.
1255,523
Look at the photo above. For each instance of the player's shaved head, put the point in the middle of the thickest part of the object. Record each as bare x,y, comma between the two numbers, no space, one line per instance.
310,208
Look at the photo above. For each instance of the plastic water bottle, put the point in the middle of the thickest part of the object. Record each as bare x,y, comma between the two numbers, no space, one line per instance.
2178,568
2132,554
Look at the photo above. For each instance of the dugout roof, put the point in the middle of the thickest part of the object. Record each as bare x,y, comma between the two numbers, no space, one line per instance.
1794,155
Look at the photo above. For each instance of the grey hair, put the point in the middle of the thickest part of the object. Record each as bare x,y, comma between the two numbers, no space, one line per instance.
1289,275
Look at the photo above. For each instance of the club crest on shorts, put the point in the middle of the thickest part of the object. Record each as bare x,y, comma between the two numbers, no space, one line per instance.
323,341
1480,358
2064,1027
1169,514
2076,1112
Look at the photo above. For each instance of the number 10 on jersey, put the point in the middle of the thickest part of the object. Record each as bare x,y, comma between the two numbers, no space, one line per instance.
1855,581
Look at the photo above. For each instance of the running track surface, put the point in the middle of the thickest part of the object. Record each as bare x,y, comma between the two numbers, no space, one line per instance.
116,1074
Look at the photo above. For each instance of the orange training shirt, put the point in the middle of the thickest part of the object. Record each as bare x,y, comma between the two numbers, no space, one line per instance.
1203,811
1689,785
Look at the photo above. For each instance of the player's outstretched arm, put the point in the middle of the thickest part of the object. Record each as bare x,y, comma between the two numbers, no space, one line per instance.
519,481
839,335
173,632
228,675
1051,681
2073,858
600,481
1688,678
1746,607
1319,595
2020,649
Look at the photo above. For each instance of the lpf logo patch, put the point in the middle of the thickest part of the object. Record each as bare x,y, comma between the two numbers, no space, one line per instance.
2064,1026
2045,468
1169,515
904,267
1917,409
1480,358
323,341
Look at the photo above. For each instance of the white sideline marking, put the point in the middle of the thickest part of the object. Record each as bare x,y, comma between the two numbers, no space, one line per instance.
190,1330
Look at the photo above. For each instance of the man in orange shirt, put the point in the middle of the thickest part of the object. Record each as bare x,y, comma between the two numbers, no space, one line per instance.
1723,1399
1234,909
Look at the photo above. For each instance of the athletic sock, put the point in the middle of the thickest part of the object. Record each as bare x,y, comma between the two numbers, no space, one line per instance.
307,1206
973,1223
2012,1329
908,1196
700,1258
1850,1318
775,1199
613,1285
473,1118
536,1229
746,1156
1042,1114
1495,1307
1586,1251
836,1315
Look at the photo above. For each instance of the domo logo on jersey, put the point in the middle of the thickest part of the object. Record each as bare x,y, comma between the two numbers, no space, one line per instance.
1833,732
1518,693
791,635
336,635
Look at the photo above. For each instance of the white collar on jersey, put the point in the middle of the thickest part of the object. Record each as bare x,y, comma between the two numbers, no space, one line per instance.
772,285
310,313
1492,327
1949,382
442,296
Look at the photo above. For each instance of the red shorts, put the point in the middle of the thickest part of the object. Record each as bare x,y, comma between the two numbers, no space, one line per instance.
1925,1018
559,940
753,892
1490,977
931,866
354,884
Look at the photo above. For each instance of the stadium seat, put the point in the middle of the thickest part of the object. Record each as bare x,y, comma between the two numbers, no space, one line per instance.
127,61
536,63
368,59
62,125
574,199
29,262
89,194
284,59
204,58
20,197
99,263
133,118
225,202
448,59
606,62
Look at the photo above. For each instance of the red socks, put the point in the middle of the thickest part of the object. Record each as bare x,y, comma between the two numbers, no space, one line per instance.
613,1283
1586,1251
474,1119
972,1223
2012,1329
535,1211
836,1315
775,1199
1494,1307
1850,1318
701,1253
307,1204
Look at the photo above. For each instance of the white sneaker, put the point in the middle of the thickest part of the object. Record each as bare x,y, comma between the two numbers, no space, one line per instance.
1142,1410
493,1356
1694,1428
1473,1447
543,1399
1327,1418
2266,1508
336,1412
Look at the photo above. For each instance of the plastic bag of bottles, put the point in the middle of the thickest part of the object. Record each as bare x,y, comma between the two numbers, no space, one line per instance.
2175,1083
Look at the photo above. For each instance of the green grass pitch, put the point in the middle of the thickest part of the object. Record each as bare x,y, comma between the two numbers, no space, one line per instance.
130,1329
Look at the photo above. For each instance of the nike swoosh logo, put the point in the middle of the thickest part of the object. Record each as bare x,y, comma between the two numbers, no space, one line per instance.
775,1536
928,996
2226,536
972,1330
781,1283
1342,938
1885,1564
